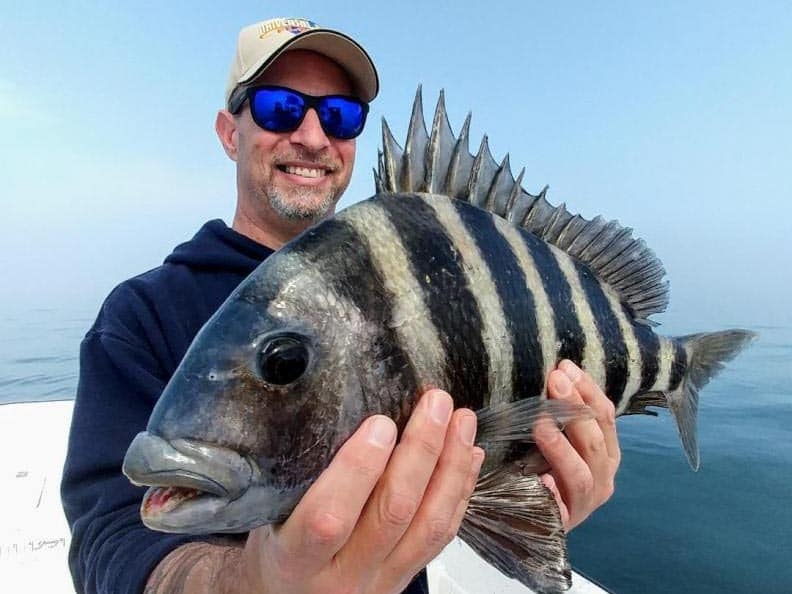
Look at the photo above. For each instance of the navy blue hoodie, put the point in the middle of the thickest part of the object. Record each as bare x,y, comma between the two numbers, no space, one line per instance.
140,336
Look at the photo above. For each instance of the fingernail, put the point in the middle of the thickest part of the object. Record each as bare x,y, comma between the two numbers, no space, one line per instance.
547,480
478,461
381,432
572,371
563,385
440,407
467,429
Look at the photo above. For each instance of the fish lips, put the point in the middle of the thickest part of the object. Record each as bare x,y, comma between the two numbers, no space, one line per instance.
186,464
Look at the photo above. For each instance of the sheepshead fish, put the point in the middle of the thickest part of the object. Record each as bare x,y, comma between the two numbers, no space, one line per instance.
451,276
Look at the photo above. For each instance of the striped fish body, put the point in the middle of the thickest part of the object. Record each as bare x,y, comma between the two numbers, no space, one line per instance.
395,295
451,276
485,310
470,303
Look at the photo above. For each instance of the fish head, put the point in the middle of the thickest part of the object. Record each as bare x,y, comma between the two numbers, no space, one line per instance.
270,388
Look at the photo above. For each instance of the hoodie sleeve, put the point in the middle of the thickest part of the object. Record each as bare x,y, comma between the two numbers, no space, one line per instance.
111,550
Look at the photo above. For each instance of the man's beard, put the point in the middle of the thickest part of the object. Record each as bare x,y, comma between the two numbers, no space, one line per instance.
301,204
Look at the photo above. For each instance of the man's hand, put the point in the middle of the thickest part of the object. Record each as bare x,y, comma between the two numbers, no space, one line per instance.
585,457
378,514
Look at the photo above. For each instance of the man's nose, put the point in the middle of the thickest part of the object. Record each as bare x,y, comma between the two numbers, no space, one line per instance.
310,133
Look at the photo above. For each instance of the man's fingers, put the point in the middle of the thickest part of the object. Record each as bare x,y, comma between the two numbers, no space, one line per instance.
399,493
585,459
475,469
573,482
326,515
437,520
569,456
603,407
598,447
549,482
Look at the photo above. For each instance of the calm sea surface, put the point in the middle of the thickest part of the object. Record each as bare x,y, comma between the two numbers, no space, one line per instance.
725,528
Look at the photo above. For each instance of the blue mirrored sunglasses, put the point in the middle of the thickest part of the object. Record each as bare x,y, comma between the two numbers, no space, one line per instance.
280,109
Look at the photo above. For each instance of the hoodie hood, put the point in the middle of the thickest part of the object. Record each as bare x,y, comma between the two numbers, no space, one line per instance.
218,247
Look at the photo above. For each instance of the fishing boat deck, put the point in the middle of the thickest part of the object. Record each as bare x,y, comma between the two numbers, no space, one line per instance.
34,536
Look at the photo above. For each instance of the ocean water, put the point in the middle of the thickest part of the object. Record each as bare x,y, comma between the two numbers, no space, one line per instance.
39,352
726,528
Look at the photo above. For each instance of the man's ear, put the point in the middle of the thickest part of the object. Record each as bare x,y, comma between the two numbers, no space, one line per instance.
225,126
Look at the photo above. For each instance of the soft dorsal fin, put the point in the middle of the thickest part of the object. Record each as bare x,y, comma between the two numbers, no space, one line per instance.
438,162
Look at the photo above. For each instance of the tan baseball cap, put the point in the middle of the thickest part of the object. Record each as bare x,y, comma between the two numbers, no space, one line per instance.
260,44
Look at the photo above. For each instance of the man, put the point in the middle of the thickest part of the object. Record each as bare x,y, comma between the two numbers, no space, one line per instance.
381,511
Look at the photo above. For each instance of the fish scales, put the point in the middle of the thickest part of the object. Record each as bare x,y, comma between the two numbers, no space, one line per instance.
571,340
353,275
506,277
678,367
516,302
593,355
543,315
410,317
514,315
495,334
634,358
650,359
401,292
494,254
447,294
665,358
609,334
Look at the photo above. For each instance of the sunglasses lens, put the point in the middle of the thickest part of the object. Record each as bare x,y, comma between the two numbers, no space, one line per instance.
282,110
277,110
341,117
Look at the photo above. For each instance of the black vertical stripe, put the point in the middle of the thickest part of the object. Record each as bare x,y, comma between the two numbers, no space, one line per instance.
437,266
569,334
649,343
516,299
678,367
611,338
347,267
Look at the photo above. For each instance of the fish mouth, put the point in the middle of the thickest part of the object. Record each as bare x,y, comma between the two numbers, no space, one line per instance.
191,481
185,510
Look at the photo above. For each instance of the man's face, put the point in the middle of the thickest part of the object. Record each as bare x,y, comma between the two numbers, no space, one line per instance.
297,176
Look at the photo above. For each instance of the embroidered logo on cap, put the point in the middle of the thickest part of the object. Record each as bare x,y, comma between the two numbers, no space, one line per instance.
293,26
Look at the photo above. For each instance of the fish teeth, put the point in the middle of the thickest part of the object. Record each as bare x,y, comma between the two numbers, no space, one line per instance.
164,499
304,171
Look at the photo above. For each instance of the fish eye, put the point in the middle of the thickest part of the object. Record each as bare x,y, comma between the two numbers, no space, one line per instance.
283,360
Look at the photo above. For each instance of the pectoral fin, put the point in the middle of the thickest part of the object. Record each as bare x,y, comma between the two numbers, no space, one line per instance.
514,524
515,421
512,520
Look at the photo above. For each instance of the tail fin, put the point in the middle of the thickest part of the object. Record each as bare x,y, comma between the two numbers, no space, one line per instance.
707,353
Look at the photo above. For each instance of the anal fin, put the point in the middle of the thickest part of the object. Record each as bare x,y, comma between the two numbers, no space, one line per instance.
639,403
514,524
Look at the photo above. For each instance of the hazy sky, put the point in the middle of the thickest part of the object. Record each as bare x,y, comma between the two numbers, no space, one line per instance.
673,117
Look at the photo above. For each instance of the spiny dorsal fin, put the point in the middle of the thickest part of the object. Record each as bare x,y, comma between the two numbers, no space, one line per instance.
461,162
390,159
440,163
440,148
413,170
484,171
